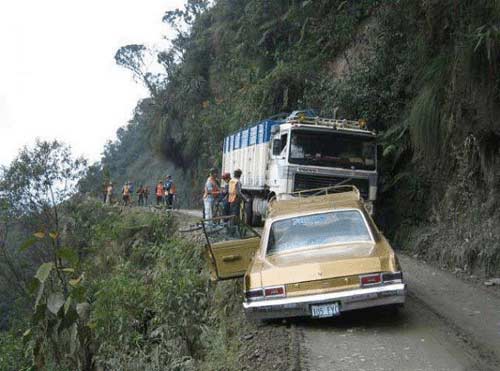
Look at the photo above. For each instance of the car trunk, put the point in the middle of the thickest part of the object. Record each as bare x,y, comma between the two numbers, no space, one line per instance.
323,269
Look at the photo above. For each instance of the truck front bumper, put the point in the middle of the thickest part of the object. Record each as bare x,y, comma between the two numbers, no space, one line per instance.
300,306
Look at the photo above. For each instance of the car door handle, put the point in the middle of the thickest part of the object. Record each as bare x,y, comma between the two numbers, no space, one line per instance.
231,258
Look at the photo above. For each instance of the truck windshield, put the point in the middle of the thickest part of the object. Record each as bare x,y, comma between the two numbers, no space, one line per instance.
321,148
313,231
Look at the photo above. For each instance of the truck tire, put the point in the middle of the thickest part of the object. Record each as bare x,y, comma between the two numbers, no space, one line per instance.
256,220
248,214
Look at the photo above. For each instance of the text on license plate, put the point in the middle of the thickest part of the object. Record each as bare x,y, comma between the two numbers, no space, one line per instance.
325,310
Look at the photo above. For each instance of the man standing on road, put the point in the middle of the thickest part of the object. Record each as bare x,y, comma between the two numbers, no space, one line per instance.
160,193
171,189
210,194
146,195
109,193
140,193
105,191
235,196
226,177
126,194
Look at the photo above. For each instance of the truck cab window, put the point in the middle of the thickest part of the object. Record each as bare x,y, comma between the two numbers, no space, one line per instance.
333,149
276,146
284,145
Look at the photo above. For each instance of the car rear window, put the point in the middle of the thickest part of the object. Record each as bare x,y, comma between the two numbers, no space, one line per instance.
317,230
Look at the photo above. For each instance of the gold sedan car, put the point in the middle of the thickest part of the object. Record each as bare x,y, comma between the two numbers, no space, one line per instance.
318,256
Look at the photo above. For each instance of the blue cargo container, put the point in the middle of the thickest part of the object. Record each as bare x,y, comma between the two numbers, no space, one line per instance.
256,134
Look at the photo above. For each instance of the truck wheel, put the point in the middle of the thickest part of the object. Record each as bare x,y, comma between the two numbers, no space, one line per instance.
248,213
256,220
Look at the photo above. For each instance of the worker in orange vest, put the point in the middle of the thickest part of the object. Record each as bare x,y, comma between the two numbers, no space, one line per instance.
160,193
210,194
235,196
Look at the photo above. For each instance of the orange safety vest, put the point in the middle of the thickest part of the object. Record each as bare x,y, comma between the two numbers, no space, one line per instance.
159,190
233,190
126,190
173,190
215,188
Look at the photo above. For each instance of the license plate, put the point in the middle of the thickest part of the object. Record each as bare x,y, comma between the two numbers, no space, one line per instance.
325,310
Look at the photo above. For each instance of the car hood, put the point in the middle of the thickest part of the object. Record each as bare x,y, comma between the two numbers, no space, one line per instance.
323,263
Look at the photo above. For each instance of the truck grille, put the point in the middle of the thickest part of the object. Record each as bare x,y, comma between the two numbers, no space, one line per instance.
304,182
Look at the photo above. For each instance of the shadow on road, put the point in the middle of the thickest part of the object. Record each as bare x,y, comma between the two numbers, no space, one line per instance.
379,318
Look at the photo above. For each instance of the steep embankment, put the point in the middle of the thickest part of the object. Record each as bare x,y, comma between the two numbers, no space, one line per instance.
150,302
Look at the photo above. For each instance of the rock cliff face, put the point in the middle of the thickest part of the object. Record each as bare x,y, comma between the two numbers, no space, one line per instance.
360,50
440,185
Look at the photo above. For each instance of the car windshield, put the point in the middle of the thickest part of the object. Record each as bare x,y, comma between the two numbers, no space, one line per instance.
323,148
313,231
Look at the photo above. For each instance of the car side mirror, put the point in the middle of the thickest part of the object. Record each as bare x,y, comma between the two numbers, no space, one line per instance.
276,147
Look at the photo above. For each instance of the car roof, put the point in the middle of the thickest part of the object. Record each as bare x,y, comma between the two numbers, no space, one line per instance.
307,204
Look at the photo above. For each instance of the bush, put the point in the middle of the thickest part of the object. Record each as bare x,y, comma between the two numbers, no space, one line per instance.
12,356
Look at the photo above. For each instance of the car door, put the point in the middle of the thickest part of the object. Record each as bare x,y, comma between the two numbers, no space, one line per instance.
230,247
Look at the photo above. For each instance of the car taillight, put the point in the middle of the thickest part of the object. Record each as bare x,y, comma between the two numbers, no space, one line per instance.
266,292
274,291
392,277
254,294
371,279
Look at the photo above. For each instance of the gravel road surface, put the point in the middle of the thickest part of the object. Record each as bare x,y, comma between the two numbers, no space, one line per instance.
446,324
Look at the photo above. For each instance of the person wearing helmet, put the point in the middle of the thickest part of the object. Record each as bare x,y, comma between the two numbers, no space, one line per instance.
210,194
226,177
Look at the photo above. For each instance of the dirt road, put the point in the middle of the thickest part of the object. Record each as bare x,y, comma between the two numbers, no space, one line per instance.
446,324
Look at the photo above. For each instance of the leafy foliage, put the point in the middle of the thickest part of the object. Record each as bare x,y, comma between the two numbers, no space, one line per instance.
40,177
12,352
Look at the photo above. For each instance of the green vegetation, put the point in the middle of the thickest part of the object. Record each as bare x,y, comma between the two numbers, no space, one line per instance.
138,298
104,286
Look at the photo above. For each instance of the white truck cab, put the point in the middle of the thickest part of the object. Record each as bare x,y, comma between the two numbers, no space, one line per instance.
301,152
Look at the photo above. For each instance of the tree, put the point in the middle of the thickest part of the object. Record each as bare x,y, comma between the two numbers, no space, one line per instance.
133,57
33,190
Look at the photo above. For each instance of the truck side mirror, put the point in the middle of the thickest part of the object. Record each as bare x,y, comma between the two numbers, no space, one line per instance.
276,147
